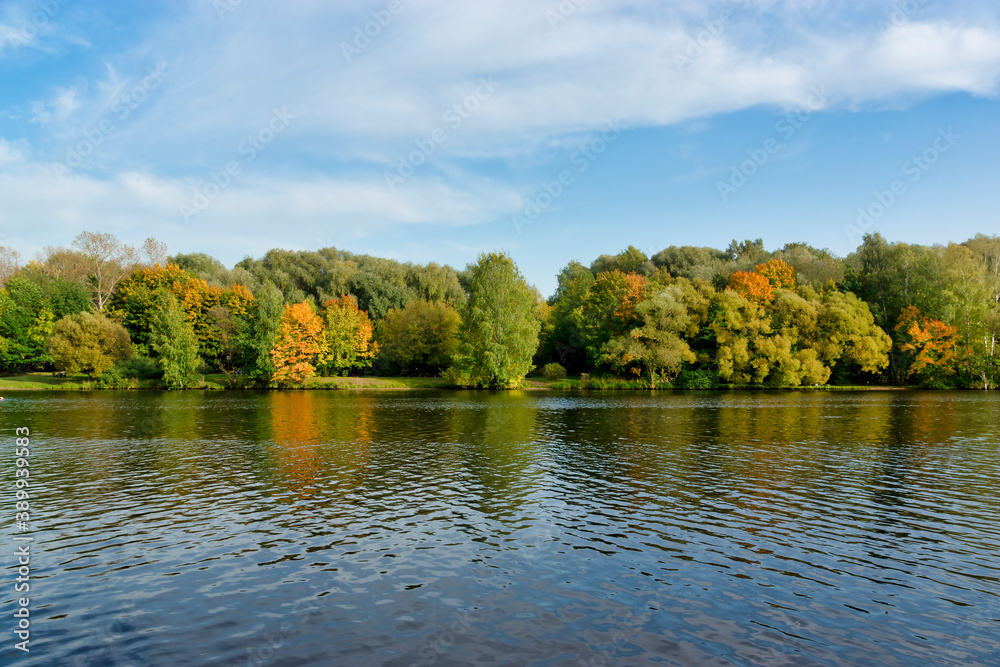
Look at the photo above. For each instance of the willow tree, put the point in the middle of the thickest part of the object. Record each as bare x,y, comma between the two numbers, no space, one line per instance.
500,329
173,340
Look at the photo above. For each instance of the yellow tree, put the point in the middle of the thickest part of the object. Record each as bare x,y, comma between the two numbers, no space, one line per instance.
779,273
347,342
297,344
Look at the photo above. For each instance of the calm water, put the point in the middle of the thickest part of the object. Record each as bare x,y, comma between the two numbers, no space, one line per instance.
435,528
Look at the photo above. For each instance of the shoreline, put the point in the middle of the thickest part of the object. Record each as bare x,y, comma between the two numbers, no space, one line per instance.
45,382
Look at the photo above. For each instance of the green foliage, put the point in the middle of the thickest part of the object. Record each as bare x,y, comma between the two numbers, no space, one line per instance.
256,334
630,260
657,345
88,343
173,340
115,378
499,326
421,338
564,336
139,368
347,338
553,371
697,379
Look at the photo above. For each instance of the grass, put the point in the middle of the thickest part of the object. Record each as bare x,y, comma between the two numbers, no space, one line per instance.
44,381
375,383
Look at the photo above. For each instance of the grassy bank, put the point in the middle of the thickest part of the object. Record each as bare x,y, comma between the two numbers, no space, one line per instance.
44,381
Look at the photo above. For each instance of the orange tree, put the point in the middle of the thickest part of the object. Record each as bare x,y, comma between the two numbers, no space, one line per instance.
347,340
779,273
933,344
297,344
752,286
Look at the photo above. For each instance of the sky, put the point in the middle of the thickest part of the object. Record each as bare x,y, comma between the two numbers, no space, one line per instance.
552,129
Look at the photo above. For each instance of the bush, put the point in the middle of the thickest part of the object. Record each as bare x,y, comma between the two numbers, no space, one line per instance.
458,377
140,368
115,378
553,372
697,380
88,343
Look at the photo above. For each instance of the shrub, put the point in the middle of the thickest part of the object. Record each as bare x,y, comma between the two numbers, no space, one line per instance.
457,376
553,372
88,343
115,378
140,368
697,380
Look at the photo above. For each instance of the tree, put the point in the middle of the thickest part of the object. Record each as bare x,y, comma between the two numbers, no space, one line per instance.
173,340
608,309
752,286
630,260
26,318
136,296
421,338
257,333
88,343
499,327
107,263
297,344
657,345
846,333
9,263
564,335
779,273
347,338
933,344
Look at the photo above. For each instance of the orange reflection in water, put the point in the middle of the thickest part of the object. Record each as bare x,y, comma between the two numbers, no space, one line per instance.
297,438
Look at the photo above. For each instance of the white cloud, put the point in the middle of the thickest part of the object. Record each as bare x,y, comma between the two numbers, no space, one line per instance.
607,59
610,58
135,205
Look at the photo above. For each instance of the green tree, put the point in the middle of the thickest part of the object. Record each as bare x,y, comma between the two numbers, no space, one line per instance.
174,342
657,346
347,337
500,327
421,338
565,339
257,334
88,343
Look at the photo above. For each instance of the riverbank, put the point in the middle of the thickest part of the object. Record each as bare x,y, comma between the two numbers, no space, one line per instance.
46,381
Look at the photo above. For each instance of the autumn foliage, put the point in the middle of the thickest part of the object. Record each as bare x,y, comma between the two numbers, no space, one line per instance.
779,273
932,341
347,341
297,344
753,287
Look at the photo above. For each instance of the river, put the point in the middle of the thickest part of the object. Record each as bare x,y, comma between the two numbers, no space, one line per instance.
518,528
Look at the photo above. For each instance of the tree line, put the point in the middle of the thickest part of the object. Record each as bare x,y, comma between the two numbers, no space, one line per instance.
889,313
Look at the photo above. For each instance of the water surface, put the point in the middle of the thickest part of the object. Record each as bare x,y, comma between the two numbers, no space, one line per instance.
440,528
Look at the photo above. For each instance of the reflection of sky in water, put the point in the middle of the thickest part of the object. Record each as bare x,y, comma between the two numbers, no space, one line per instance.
458,528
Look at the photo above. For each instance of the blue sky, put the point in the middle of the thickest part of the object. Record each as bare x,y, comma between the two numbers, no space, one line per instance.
235,126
